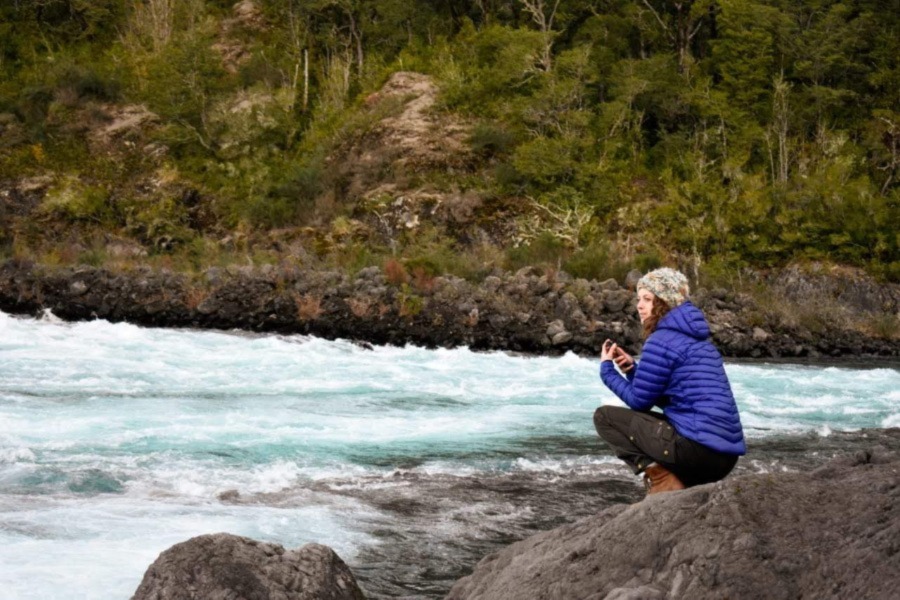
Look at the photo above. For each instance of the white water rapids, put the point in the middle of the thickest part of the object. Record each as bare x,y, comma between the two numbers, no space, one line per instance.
118,441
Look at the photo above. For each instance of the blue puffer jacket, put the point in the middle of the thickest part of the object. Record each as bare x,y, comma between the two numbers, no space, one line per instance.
681,372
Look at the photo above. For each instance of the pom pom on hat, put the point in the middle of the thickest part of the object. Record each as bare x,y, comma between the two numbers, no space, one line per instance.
667,284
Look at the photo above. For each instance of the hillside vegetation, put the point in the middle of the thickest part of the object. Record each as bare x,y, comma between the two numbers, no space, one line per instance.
452,136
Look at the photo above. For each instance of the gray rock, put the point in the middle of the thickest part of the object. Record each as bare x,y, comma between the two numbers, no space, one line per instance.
581,287
567,304
832,533
492,283
541,286
561,338
609,285
615,301
643,592
526,272
498,322
852,289
78,288
369,273
555,328
759,335
632,278
224,566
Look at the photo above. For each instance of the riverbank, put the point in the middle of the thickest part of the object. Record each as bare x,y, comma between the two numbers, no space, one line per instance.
531,311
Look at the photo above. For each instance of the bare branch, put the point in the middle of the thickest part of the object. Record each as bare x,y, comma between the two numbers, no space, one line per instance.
659,20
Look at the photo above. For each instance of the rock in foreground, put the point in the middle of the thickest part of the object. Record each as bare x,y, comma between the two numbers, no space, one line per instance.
832,533
224,566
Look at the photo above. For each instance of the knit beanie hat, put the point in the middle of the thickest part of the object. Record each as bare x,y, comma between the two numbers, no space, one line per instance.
667,284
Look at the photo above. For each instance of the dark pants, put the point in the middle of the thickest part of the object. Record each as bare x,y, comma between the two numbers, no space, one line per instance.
641,438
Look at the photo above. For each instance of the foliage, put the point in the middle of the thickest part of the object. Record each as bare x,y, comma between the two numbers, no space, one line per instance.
75,200
715,133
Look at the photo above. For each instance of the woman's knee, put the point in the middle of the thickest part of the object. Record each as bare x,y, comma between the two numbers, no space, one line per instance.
601,417
609,417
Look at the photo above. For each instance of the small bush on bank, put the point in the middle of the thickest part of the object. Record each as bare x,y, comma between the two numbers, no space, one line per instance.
354,257
489,140
74,200
545,250
884,326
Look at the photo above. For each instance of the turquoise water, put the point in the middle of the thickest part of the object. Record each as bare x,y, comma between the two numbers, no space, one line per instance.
117,441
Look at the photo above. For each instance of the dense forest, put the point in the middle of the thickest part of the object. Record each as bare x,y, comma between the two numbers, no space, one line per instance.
715,134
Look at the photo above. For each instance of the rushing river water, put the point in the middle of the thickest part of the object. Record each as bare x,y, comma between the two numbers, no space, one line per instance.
117,442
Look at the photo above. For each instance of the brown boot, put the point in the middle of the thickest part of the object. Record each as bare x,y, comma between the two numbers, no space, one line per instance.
659,479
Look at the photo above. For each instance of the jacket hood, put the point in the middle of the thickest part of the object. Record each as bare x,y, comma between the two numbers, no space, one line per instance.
687,319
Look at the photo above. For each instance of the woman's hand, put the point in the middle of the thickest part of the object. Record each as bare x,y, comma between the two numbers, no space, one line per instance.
611,351
623,360
608,351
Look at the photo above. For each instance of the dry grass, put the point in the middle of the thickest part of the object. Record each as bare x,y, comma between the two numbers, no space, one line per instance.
194,297
360,307
422,280
883,326
817,315
309,306
395,272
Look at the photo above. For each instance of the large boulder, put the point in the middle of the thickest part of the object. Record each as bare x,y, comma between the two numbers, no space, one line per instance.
224,566
832,533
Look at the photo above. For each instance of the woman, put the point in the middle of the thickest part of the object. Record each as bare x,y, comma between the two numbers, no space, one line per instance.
698,436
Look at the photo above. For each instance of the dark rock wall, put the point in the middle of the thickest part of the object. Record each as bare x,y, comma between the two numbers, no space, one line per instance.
526,311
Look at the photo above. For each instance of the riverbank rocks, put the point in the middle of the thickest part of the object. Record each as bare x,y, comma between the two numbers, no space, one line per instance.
832,533
230,566
527,311
845,286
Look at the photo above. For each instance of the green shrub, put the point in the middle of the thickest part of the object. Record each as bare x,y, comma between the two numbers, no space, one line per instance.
161,224
592,262
596,261
544,250
491,140
270,212
75,200
300,186
86,82
409,303
647,261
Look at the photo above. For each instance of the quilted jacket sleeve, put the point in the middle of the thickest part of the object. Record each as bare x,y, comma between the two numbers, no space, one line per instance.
650,381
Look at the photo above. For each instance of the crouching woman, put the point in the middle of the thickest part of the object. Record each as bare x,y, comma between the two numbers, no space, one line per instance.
698,436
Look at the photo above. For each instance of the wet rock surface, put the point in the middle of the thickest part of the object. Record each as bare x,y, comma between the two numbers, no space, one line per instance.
448,523
229,566
527,311
829,532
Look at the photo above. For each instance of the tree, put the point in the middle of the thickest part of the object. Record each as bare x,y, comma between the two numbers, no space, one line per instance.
680,22
543,15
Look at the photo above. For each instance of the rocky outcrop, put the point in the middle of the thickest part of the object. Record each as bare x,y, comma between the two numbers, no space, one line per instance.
831,533
229,566
846,287
527,311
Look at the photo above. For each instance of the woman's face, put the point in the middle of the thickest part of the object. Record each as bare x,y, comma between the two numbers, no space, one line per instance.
644,304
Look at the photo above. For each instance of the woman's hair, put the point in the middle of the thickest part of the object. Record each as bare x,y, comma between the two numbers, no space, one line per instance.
659,310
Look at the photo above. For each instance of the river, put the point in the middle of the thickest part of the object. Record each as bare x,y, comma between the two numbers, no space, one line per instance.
118,441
